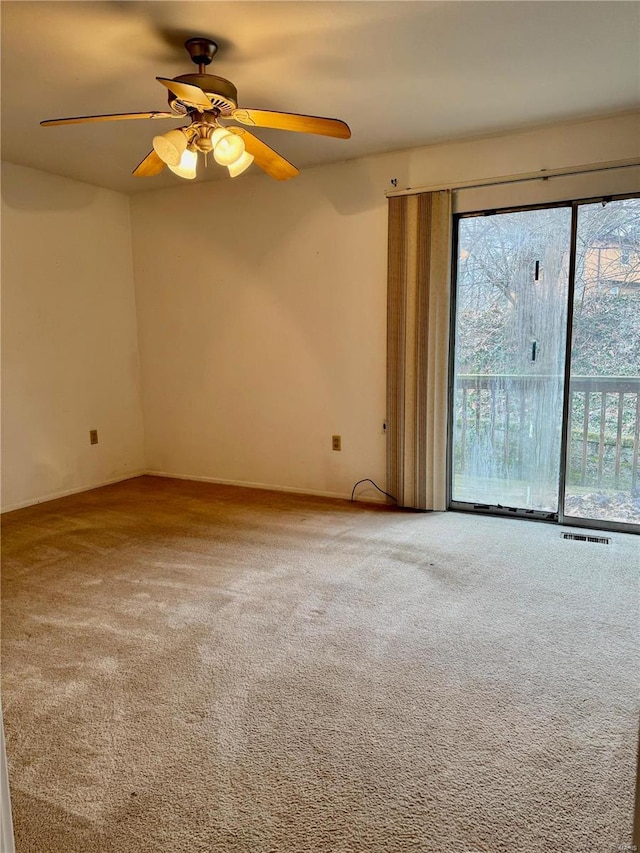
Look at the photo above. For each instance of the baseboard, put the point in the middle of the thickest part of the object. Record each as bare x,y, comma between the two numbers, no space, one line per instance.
270,487
66,492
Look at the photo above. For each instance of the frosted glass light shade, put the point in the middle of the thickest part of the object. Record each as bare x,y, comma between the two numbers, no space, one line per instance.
227,147
186,168
170,146
217,135
241,164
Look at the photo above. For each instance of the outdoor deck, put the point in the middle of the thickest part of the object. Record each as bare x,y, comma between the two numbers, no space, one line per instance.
506,443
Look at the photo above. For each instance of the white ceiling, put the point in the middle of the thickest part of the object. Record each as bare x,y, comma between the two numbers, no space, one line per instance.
402,74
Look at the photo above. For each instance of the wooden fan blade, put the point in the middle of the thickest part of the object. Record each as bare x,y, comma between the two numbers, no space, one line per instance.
292,121
51,122
151,165
188,94
269,160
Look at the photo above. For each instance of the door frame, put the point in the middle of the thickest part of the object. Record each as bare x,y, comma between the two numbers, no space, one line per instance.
558,517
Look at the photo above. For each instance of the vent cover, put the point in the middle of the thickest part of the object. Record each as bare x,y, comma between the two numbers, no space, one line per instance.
219,102
581,537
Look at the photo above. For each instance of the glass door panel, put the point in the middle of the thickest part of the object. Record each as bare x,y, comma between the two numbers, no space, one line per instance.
602,478
510,341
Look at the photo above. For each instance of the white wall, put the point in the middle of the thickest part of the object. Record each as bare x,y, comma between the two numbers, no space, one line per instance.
69,338
262,305
262,333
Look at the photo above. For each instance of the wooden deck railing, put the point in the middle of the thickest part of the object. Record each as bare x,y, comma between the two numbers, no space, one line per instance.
504,411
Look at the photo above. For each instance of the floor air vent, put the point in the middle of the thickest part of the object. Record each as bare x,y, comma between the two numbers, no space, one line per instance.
581,537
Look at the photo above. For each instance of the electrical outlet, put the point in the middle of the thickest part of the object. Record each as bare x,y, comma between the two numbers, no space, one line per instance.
93,436
336,442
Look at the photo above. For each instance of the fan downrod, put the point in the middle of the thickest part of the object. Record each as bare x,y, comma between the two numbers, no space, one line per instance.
201,51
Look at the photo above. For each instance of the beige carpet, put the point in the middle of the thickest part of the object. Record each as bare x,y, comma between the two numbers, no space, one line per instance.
190,668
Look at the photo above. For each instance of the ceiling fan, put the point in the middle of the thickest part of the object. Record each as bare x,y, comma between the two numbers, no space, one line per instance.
206,100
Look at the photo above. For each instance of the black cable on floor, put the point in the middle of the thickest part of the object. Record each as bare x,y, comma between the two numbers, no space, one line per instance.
367,480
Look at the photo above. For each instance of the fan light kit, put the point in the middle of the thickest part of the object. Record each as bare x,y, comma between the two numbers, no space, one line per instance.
207,101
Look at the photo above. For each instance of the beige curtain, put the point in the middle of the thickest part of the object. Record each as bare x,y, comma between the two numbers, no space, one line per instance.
418,348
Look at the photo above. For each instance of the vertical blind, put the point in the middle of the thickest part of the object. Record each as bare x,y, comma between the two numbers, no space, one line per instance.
418,299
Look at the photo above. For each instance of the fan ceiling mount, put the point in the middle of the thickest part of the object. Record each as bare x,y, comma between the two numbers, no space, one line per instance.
204,99
222,93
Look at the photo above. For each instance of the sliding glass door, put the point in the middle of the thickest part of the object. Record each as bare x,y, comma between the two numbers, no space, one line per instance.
510,342
602,482
526,438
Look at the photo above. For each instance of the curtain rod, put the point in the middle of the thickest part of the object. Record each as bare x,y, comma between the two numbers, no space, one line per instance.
542,175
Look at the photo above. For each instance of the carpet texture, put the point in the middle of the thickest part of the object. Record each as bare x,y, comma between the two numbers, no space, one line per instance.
190,667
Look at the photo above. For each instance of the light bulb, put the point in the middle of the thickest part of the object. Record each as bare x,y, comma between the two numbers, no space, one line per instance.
170,146
186,168
227,147
240,165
